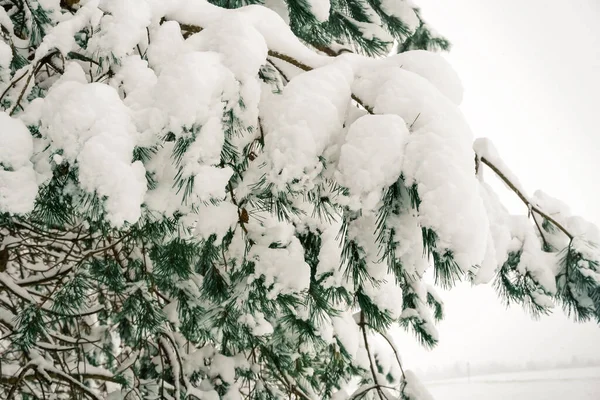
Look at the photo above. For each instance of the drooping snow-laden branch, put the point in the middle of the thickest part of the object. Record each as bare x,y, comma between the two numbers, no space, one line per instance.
332,53
524,199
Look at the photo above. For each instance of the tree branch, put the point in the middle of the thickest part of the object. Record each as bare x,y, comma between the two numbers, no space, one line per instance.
363,325
524,199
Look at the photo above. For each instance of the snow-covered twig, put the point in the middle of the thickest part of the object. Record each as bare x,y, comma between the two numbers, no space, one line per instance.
523,198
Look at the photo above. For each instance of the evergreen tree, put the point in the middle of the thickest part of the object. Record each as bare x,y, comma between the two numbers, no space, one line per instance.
233,200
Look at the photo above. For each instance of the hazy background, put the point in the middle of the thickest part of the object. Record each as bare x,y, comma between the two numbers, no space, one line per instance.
531,73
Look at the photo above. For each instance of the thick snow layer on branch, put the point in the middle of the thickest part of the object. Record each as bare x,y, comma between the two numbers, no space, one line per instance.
409,244
184,94
373,153
271,26
167,44
241,46
280,7
93,127
18,187
438,158
243,51
330,258
215,219
305,120
17,145
433,67
123,27
136,82
283,268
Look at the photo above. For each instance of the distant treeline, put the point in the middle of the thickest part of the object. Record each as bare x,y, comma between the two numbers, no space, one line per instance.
464,369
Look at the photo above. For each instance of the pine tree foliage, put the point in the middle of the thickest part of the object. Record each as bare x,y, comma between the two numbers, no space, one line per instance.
233,200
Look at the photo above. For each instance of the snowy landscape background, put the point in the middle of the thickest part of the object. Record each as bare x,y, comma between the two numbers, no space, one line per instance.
576,384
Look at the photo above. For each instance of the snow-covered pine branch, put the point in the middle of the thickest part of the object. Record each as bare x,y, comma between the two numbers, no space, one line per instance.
203,202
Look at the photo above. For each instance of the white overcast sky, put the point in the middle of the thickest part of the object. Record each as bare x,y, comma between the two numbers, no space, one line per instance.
531,74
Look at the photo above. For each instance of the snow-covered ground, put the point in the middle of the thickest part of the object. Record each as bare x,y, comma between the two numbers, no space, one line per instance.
575,384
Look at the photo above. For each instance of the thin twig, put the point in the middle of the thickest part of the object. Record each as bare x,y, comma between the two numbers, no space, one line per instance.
524,199
387,339
12,85
33,71
16,385
363,325
18,103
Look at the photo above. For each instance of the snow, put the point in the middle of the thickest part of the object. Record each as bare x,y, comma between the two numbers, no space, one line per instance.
577,226
414,389
271,26
280,7
210,182
163,199
372,155
577,383
320,9
243,51
5,60
284,270
93,127
18,186
347,332
499,236
5,20
484,148
438,157
62,35
536,262
135,81
183,94
403,10
17,145
223,367
215,219
257,323
433,67
122,27
241,46
166,44
409,243
304,120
